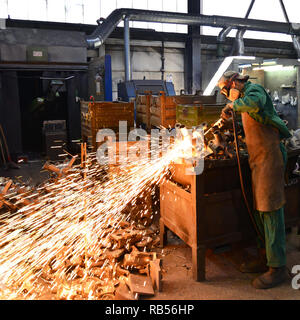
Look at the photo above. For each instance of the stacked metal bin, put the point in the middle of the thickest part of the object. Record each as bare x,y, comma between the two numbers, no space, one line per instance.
155,111
104,115
166,111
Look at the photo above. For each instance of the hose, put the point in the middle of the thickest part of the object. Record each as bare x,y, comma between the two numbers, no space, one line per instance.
5,144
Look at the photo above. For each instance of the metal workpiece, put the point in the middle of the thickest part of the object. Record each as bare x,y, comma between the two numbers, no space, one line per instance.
103,31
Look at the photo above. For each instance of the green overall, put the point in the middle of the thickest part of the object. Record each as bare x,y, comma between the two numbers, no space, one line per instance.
256,104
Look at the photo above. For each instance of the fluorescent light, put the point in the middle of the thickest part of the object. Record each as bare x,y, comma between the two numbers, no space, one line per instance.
246,65
269,62
222,68
244,57
278,67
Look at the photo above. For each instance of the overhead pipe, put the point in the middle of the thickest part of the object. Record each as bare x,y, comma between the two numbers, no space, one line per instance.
296,44
225,31
238,48
221,40
239,43
103,31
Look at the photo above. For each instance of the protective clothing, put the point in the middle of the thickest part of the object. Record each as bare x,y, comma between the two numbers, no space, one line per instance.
263,130
270,279
238,76
226,81
266,164
267,158
271,224
255,100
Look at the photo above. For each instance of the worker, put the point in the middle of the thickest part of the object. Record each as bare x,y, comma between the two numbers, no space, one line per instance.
267,159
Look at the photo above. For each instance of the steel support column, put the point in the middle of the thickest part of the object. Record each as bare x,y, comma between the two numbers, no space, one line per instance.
193,72
127,49
298,95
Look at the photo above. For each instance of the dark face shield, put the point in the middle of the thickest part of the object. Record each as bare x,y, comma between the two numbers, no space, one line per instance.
225,91
231,94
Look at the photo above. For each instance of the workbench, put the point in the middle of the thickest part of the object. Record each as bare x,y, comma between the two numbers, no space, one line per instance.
208,210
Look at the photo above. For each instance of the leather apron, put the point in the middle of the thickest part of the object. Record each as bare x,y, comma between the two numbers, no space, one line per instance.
266,164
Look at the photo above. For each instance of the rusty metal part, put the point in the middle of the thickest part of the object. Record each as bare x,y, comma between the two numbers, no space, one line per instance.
124,293
59,172
141,285
3,193
83,159
137,259
126,237
156,274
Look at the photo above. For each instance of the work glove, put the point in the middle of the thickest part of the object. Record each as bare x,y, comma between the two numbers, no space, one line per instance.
227,111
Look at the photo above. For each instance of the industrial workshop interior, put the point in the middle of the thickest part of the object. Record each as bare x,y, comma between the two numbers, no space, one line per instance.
149,150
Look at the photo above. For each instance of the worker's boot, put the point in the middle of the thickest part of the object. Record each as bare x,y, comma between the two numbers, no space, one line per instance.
258,265
270,279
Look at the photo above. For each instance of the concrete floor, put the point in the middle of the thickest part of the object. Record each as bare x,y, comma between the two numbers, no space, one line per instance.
223,280
30,173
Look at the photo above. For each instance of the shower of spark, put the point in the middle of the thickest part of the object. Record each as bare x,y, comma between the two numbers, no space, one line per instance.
68,217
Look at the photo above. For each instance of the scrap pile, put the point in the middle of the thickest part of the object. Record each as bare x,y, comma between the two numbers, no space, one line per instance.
72,237
103,271
14,196
110,262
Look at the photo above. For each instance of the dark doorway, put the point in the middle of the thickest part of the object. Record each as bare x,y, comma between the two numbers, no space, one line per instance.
40,100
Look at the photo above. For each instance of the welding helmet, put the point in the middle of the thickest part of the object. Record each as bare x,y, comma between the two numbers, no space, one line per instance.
225,84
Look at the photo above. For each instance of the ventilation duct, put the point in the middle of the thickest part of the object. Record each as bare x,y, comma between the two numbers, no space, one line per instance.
107,26
239,37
